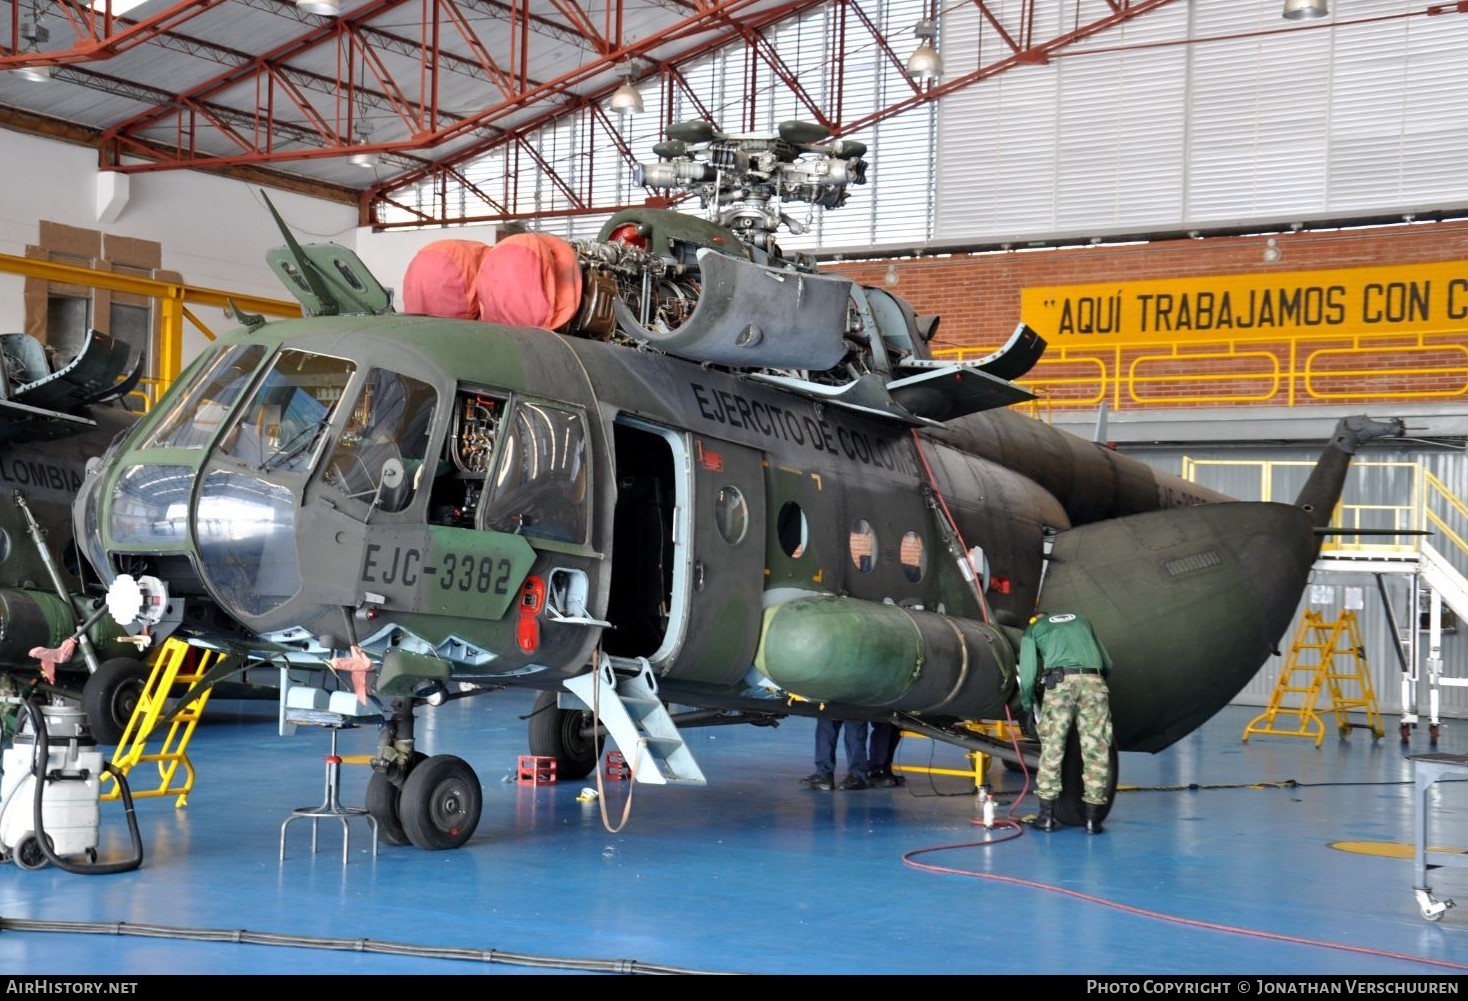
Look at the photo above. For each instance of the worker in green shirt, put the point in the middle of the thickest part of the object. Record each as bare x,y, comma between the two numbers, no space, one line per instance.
1063,668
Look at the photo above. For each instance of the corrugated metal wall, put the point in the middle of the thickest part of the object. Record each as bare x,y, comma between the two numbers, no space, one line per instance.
1383,481
1249,119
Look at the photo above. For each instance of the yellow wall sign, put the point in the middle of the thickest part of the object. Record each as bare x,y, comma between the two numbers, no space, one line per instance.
1415,298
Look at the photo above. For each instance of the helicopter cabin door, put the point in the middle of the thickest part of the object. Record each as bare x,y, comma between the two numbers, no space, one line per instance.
687,553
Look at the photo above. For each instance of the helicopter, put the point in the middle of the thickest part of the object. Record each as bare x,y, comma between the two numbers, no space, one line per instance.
669,477
56,413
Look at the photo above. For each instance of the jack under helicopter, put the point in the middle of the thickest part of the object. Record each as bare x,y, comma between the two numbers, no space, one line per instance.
670,477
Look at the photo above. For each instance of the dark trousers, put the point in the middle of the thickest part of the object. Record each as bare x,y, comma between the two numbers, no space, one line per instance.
854,738
882,747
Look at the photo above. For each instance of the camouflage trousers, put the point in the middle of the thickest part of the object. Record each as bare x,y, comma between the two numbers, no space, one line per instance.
1082,698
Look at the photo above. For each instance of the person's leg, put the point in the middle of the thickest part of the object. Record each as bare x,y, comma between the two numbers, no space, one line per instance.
854,737
881,752
1093,727
826,730
1053,726
881,746
825,773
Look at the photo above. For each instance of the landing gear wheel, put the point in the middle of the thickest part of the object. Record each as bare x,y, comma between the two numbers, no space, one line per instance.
1406,731
1432,733
1070,808
564,734
29,854
383,798
440,803
110,696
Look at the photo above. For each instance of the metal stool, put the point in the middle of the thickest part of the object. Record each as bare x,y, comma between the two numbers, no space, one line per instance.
331,806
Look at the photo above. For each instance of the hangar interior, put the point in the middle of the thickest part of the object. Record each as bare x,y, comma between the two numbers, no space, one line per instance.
1053,152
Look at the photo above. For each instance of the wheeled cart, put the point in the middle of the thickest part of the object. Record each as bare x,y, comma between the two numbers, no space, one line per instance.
1426,770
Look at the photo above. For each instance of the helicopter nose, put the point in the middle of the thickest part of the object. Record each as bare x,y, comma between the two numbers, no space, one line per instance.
1190,603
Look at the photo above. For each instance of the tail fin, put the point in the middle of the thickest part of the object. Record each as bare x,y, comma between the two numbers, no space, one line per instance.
1322,490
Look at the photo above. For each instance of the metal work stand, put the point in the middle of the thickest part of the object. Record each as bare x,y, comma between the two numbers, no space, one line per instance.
1427,769
331,806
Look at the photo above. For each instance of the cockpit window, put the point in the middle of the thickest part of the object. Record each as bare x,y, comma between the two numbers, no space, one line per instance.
199,413
380,456
284,419
540,485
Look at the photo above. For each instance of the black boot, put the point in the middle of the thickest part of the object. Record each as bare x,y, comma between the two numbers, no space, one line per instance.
1046,820
1093,819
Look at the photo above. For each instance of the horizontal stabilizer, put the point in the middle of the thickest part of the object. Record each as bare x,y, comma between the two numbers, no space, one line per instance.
1330,530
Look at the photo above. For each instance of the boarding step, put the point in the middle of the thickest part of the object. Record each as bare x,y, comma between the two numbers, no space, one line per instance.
623,694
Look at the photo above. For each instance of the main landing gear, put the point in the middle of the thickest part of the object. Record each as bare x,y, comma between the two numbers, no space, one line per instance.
568,735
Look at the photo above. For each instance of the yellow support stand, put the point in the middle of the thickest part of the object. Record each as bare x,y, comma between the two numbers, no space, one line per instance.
979,762
1310,669
175,663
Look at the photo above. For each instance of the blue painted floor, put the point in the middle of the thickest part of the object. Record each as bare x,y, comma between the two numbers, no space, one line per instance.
1219,857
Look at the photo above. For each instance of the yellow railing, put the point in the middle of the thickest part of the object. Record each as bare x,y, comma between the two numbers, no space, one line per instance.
1451,504
1429,506
174,300
1264,369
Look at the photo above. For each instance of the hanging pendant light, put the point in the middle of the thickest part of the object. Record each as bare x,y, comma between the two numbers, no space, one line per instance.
325,8
35,74
364,136
626,99
34,33
1305,10
925,63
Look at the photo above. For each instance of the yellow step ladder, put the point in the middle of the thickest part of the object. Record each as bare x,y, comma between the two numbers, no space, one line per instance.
175,663
1311,668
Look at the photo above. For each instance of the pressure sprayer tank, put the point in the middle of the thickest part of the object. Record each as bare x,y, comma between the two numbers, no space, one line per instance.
71,775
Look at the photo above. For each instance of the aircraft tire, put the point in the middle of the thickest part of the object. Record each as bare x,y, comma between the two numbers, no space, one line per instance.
383,799
440,803
1070,809
110,696
562,734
